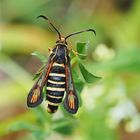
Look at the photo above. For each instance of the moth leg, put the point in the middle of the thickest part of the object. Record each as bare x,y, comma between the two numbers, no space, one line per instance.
75,52
50,50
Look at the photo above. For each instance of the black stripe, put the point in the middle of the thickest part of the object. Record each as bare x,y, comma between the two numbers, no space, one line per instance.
55,93
57,78
58,69
56,85
52,108
54,100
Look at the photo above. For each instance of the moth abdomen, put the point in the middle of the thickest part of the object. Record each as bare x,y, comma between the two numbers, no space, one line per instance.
54,99
52,108
55,86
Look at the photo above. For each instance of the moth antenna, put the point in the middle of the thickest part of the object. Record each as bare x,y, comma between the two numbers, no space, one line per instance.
87,30
46,18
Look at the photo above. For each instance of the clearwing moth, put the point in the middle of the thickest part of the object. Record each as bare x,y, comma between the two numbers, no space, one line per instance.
56,77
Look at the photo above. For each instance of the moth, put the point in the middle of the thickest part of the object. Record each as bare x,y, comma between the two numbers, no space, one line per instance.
56,77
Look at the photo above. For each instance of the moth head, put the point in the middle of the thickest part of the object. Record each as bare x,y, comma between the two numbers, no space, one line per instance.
62,40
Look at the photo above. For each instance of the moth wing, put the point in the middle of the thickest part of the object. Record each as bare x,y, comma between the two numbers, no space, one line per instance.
35,96
71,102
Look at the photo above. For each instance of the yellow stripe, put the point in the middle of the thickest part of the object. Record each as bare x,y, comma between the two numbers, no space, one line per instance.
55,89
53,104
57,74
57,64
55,82
55,97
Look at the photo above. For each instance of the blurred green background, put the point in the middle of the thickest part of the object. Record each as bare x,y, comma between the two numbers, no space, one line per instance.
110,107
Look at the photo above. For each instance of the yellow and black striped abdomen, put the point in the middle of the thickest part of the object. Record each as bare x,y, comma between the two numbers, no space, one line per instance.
55,86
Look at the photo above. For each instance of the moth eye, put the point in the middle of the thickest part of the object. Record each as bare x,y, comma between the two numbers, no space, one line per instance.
71,100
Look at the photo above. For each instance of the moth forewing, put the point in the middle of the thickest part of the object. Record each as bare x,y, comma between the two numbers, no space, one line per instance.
71,102
35,96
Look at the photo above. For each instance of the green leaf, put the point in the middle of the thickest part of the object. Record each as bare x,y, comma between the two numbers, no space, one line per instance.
40,56
20,125
72,55
41,134
79,85
39,72
42,115
75,76
36,76
89,77
64,126
82,56
82,50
